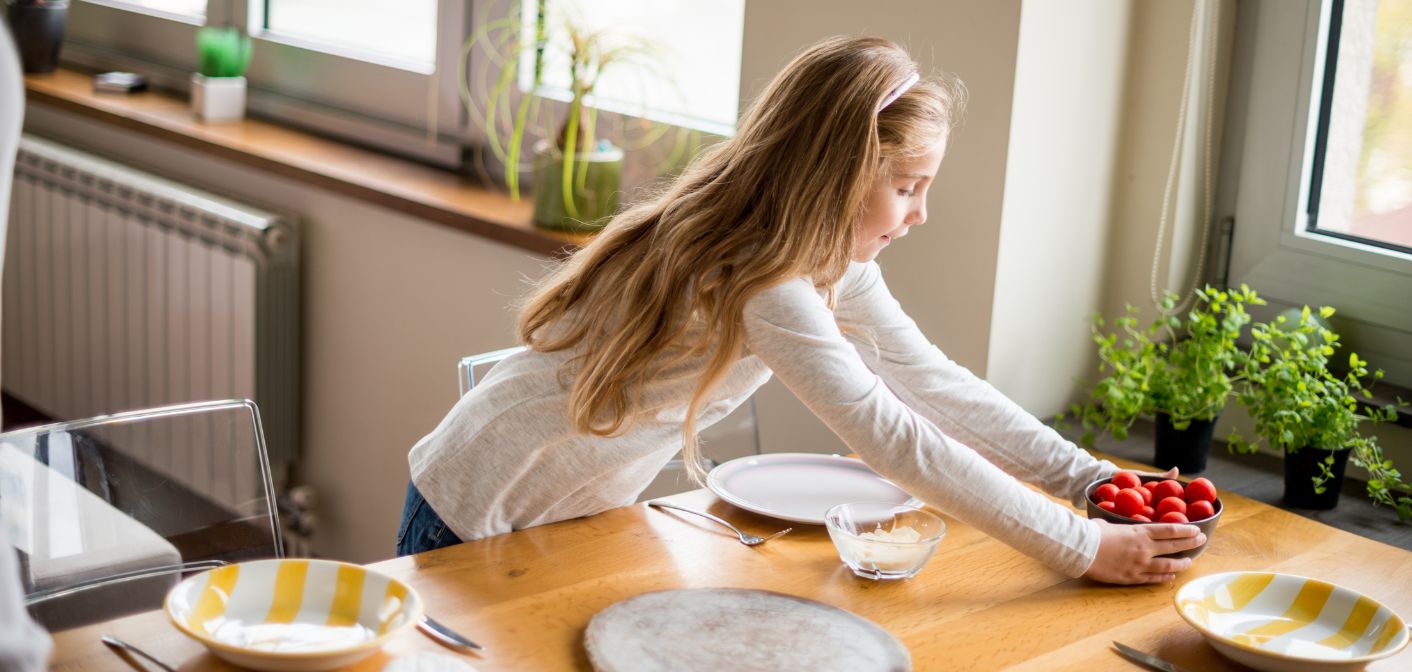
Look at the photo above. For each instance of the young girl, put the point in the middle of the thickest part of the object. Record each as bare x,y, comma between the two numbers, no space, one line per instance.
758,260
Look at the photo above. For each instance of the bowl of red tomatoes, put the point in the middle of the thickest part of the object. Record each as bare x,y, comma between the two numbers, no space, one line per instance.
1129,498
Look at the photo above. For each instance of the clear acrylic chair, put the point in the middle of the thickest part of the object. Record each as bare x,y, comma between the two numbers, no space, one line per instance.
108,513
736,435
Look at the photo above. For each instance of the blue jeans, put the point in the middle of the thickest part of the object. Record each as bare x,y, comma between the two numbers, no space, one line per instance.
421,529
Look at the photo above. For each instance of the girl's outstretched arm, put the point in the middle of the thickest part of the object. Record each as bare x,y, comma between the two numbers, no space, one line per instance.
793,331
962,405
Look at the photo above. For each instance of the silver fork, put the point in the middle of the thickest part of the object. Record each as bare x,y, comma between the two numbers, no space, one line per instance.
747,539
118,645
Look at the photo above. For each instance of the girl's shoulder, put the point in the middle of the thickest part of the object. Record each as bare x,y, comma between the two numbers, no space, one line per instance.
861,278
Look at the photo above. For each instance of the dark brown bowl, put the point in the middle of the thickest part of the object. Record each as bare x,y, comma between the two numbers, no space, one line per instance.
1207,526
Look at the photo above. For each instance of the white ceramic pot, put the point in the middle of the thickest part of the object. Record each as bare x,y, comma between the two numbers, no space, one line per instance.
218,98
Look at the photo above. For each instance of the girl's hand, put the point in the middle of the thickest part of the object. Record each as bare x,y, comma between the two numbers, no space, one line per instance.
1127,553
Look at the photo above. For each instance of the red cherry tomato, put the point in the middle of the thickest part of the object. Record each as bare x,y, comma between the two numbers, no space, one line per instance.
1148,486
1127,502
1168,488
1200,490
1146,495
1140,518
1105,492
1200,510
1107,506
1171,504
1126,479
1149,512
1173,517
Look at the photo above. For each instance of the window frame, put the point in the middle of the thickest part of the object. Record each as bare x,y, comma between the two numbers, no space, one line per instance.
110,34
417,114
619,108
1277,89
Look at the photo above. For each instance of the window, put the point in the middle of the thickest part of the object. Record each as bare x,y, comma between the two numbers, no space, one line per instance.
692,77
362,70
1316,165
1361,181
404,36
193,10
386,74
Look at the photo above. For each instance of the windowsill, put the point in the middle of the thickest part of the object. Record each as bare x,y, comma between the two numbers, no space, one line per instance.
415,189
1385,393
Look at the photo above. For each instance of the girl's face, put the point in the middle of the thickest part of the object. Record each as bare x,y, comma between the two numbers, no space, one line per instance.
897,202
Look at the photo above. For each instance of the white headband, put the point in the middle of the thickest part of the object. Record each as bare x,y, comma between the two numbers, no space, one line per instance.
901,89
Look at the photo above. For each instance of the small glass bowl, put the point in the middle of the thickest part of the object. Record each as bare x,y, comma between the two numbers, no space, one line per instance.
884,540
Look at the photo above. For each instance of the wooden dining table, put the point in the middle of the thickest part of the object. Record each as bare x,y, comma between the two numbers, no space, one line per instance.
978,604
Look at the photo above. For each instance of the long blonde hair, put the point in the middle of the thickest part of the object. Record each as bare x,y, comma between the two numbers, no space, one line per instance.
779,200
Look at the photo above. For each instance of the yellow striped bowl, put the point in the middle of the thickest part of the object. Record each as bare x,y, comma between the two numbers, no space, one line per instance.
1274,621
294,615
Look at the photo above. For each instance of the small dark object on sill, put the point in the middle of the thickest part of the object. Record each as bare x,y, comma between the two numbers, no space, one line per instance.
119,82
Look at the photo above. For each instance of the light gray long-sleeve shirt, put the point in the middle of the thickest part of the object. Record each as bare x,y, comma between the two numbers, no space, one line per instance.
507,456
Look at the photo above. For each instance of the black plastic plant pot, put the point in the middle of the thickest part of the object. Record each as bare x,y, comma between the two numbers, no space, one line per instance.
38,28
1185,449
1301,466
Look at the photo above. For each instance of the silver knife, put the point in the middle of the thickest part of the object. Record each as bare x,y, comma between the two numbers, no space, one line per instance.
446,636
1146,659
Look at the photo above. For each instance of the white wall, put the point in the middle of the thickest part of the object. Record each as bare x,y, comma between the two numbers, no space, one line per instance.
1059,187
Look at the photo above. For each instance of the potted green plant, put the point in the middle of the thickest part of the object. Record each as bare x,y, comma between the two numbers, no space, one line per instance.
218,88
1180,369
1313,415
576,169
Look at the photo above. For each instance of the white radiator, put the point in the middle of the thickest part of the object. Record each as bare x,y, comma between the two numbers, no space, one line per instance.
123,290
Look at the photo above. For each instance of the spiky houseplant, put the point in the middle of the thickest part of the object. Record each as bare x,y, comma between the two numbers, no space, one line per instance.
222,51
575,153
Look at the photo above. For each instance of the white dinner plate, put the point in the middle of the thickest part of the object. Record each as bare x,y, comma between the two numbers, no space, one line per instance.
800,487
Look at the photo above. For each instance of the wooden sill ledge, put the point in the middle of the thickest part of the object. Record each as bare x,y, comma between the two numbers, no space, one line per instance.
415,189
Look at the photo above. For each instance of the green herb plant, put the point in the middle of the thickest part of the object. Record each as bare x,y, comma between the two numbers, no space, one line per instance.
223,51
1297,402
1184,366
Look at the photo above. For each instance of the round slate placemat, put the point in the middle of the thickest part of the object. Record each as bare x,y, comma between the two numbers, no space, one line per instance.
737,629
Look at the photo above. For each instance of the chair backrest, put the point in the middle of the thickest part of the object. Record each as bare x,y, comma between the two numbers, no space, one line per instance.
736,435
105,524
472,369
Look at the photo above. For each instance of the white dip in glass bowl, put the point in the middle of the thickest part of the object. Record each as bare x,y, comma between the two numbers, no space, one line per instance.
884,540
